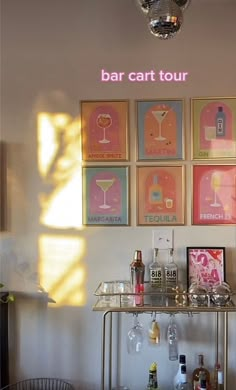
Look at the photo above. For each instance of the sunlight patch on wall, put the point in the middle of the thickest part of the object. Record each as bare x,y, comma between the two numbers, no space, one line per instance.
59,164
62,272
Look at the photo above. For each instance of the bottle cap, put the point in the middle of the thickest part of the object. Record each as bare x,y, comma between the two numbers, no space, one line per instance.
182,359
220,109
138,255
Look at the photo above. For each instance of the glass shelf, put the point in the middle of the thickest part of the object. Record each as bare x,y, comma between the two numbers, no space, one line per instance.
110,297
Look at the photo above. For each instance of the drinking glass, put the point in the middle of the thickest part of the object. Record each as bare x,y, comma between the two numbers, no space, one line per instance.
159,115
135,337
154,332
221,293
198,294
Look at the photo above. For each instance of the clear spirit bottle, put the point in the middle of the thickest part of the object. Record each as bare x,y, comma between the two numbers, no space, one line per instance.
156,278
171,277
176,381
183,384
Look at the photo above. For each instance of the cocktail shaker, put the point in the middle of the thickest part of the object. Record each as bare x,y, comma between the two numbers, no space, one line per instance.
137,272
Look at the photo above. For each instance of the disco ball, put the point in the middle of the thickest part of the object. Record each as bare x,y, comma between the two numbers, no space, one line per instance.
165,18
145,5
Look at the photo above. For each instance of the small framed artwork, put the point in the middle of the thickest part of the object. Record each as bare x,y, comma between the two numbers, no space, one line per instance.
160,129
213,128
214,195
105,195
160,192
104,129
205,265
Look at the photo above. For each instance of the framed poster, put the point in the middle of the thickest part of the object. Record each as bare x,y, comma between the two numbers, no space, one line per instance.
105,195
214,195
205,265
213,128
104,127
160,192
160,129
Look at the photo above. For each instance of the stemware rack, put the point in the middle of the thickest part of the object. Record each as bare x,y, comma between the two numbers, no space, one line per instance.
116,301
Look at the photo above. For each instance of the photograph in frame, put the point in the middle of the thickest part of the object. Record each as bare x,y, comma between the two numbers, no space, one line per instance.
205,265
106,195
213,128
214,195
160,126
104,129
160,191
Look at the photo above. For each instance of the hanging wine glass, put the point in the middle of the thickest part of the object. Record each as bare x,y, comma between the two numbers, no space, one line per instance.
135,337
172,338
154,332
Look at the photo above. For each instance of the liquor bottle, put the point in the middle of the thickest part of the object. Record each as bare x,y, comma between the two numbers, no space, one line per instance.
200,373
183,384
215,377
156,278
137,271
155,192
152,380
220,380
182,361
171,276
220,123
172,337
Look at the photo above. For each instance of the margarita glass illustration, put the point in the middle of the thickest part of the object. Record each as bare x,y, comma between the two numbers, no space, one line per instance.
215,185
160,115
104,121
104,184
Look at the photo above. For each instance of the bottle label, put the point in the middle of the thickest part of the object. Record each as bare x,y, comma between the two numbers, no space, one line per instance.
220,126
156,277
171,277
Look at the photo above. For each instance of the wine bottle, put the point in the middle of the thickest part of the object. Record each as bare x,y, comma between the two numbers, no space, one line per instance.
220,380
200,373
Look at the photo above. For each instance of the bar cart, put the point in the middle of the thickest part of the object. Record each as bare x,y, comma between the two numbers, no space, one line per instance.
110,302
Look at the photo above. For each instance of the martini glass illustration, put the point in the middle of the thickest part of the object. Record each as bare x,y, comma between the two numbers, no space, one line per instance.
215,185
104,121
159,115
104,184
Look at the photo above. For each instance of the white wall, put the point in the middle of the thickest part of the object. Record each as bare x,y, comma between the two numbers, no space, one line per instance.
52,54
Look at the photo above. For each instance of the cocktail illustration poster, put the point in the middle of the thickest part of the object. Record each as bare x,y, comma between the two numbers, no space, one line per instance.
160,130
160,195
104,126
105,196
214,128
214,194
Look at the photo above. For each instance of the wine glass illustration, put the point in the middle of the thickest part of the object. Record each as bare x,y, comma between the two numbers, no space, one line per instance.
104,121
159,115
104,184
215,185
